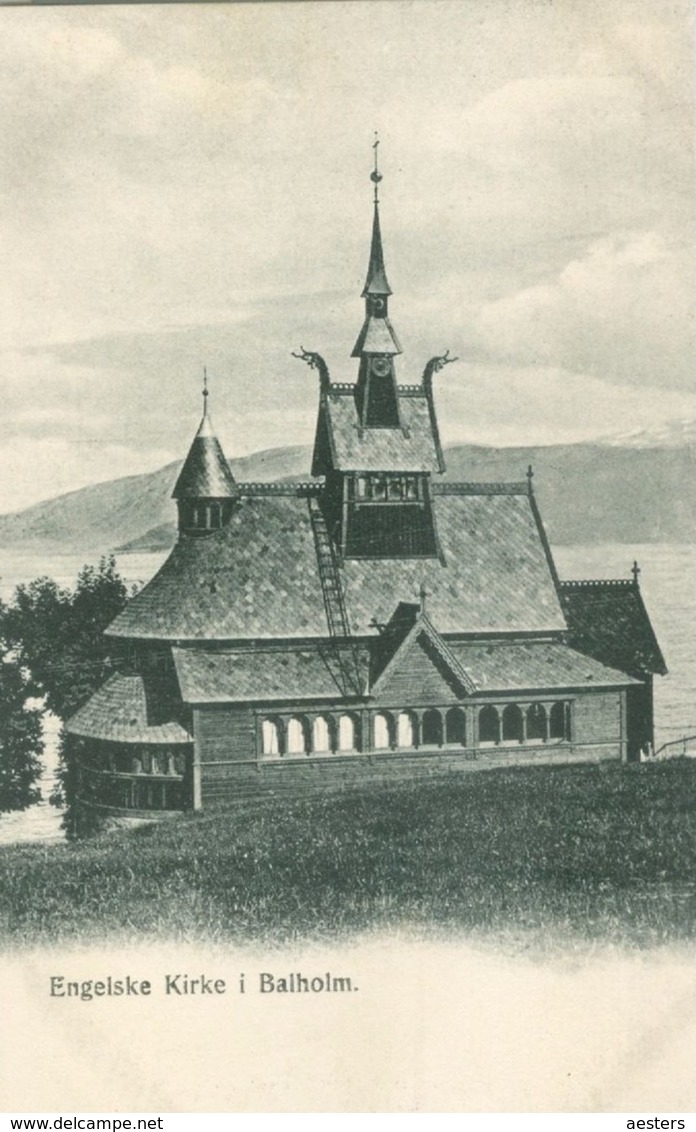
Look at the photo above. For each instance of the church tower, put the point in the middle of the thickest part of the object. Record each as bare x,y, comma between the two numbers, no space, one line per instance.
205,490
377,442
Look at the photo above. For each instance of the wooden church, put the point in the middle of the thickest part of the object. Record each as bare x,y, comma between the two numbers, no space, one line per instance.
376,623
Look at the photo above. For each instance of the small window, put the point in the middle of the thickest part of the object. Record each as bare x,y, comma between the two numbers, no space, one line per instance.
379,487
406,729
536,723
383,731
489,725
321,734
432,728
559,721
512,724
298,736
411,487
346,733
270,739
395,488
455,727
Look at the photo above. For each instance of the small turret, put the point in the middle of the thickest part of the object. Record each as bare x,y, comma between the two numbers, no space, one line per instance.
205,490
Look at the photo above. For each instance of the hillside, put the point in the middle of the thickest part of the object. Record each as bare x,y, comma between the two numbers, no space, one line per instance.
588,493
108,515
527,854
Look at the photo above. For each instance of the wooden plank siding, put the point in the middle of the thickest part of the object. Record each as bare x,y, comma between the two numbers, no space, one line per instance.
231,766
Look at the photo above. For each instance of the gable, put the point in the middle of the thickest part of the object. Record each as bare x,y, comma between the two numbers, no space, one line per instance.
419,673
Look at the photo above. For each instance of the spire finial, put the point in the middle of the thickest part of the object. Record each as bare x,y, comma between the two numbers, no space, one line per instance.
205,389
635,570
375,175
423,594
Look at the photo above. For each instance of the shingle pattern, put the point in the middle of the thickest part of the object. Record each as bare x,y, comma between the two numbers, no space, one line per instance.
609,621
258,577
205,472
377,336
118,712
407,449
532,665
494,578
238,675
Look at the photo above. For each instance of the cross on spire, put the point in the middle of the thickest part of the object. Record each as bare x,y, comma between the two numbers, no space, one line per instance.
635,570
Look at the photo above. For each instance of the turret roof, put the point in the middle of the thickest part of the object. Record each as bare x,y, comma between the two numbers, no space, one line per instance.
205,473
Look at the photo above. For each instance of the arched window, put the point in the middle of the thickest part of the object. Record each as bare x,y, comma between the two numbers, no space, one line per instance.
270,737
489,725
384,731
406,729
432,728
347,733
322,737
559,721
512,724
298,736
536,723
215,513
136,765
455,727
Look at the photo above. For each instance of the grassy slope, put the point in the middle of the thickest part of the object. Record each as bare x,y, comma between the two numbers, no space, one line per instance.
536,854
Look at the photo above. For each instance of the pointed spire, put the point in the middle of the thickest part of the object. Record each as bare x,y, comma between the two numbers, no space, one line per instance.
376,282
206,473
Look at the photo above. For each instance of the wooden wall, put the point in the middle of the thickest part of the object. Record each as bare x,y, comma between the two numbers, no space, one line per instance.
229,770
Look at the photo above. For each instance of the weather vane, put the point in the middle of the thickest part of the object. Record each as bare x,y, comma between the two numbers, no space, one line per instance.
375,175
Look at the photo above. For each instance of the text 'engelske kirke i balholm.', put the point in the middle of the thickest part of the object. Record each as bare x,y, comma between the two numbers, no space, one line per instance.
185,985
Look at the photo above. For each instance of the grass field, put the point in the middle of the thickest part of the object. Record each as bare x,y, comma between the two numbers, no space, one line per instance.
531,855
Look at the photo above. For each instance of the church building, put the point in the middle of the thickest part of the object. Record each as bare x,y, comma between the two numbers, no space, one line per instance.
375,623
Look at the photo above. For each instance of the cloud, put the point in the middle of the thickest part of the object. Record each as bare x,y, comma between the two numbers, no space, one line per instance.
623,311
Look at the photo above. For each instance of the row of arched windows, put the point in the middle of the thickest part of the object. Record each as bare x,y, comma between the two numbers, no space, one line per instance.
409,729
514,724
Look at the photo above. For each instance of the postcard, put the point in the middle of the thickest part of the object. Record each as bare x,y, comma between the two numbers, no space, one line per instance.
347,554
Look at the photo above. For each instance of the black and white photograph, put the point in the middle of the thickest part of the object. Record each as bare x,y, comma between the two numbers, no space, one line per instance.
348,556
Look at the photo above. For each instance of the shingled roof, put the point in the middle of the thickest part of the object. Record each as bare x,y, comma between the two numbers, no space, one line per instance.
258,577
240,675
410,448
534,666
608,620
205,473
118,712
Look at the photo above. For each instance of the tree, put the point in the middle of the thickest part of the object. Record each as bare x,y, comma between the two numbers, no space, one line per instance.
21,738
59,650
57,634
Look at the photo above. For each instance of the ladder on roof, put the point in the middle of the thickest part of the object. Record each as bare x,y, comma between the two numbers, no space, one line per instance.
335,602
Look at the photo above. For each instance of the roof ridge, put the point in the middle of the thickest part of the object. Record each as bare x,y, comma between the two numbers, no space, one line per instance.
618,583
272,487
518,487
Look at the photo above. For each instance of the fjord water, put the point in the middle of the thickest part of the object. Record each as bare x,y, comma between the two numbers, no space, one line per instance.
668,585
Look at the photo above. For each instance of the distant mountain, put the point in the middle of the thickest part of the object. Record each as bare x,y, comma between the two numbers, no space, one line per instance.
587,493
671,434
106,516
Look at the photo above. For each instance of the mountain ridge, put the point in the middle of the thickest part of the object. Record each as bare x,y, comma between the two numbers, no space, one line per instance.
587,493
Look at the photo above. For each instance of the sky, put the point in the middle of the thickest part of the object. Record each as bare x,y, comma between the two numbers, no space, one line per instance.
188,185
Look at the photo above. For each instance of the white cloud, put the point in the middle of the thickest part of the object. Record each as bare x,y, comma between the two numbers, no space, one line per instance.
623,311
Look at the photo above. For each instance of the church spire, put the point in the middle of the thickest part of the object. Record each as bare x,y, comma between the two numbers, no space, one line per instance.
376,282
376,392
